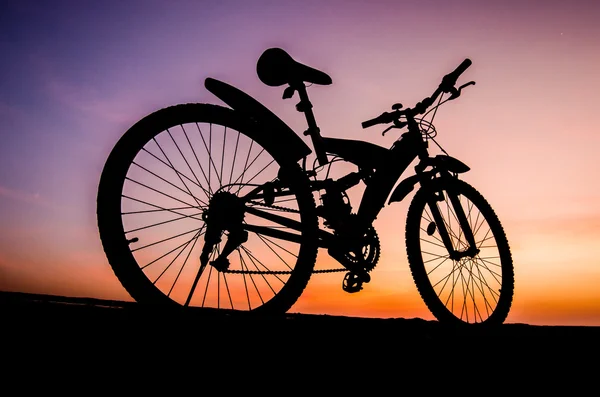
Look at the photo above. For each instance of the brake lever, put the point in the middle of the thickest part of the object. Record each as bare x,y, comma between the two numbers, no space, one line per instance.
397,124
387,129
455,93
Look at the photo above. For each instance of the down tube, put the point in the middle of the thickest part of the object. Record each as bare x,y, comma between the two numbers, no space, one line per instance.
401,154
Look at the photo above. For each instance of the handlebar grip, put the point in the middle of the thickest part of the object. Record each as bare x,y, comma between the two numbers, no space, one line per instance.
369,123
450,78
381,119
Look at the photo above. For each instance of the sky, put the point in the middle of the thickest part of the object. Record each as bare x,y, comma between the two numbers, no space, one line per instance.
75,75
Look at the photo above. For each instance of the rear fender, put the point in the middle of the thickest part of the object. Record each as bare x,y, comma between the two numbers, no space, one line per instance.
269,130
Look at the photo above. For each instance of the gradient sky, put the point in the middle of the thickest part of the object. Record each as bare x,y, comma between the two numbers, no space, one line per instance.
76,74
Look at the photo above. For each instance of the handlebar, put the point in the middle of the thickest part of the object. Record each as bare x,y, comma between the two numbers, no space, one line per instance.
447,85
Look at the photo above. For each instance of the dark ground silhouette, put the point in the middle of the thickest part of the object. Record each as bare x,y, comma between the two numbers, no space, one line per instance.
62,343
45,319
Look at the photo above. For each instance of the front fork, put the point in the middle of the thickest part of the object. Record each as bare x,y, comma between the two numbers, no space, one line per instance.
441,225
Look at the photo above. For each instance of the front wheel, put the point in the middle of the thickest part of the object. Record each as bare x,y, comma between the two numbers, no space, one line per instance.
459,289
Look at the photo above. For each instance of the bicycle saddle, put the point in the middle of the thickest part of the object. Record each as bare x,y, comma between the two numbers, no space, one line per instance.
276,67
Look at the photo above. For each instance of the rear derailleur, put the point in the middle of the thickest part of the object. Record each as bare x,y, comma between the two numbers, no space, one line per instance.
225,213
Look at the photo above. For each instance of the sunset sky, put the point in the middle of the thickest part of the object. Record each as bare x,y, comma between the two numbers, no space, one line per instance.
75,75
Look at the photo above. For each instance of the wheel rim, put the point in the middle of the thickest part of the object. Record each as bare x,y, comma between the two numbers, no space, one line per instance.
468,289
167,188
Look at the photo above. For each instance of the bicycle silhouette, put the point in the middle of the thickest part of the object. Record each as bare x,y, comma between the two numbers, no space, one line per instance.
205,206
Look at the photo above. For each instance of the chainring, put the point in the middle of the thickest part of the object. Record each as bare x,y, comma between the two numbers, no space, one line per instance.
368,255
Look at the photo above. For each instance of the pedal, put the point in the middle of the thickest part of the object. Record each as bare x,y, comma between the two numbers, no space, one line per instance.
353,282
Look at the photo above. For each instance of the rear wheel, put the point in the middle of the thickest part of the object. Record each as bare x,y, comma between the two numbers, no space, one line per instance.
475,289
152,206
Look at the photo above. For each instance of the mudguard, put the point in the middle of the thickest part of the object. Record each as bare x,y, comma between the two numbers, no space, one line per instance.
448,163
439,162
270,132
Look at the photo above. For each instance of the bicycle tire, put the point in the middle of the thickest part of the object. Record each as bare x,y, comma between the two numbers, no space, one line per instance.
116,240
489,298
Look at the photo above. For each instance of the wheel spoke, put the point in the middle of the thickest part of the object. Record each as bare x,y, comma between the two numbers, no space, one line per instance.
184,159
241,177
179,174
223,152
166,239
161,223
159,208
278,246
209,151
187,191
184,263
255,260
175,258
171,251
272,250
209,192
251,276
158,191
237,141
255,175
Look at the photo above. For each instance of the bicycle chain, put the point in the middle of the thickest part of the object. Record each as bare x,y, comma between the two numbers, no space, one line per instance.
277,207
273,272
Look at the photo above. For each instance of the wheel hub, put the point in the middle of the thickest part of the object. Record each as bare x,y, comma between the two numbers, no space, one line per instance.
470,252
225,211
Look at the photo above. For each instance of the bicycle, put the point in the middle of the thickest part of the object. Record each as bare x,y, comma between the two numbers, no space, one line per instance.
236,184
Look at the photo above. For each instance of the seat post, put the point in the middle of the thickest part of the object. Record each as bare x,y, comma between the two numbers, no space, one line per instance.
313,130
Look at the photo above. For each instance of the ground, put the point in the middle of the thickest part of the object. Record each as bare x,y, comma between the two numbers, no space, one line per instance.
70,335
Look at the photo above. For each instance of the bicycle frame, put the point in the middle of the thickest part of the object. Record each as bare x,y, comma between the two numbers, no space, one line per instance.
379,169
